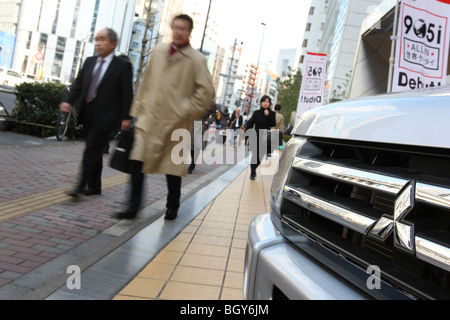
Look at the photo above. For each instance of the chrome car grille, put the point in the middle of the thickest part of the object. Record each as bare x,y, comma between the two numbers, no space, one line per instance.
378,205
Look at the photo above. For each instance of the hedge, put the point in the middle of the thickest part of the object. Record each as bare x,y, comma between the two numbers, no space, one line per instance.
37,108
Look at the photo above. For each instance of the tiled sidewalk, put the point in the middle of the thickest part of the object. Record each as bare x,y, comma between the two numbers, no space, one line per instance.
42,230
206,260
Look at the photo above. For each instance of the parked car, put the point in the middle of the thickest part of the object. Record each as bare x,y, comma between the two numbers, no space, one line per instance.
9,77
360,206
29,77
51,79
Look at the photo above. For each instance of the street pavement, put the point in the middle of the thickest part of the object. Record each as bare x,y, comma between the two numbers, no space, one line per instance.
43,231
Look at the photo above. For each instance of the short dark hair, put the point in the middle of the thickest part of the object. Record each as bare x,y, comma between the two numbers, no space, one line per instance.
277,107
264,98
125,57
112,35
186,18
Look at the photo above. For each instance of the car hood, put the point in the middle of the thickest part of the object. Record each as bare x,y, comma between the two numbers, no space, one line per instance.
413,118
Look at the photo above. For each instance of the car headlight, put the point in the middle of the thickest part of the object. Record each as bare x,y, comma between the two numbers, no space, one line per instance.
280,179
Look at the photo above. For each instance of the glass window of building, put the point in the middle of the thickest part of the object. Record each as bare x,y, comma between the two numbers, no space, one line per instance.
59,55
94,20
55,20
75,19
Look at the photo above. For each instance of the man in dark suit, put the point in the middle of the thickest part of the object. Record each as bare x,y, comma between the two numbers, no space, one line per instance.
235,124
105,90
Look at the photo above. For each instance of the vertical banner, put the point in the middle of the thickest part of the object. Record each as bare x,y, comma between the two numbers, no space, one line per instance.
313,83
422,45
7,44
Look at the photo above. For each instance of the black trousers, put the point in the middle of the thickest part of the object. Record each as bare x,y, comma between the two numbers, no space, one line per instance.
256,156
137,188
92,162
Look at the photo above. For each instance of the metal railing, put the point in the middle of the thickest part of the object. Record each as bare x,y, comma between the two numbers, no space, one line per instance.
5,114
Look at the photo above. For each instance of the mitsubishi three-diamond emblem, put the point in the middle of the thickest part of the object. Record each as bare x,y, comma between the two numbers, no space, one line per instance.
403,232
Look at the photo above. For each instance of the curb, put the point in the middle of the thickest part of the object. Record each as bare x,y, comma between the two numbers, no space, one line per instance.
46,279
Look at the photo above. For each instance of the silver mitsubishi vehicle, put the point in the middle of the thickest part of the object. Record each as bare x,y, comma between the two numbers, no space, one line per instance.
360,206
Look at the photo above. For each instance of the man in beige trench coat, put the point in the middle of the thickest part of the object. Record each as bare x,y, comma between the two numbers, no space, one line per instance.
177,88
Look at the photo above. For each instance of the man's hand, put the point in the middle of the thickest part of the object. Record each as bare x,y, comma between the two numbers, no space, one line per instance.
65,107
126,124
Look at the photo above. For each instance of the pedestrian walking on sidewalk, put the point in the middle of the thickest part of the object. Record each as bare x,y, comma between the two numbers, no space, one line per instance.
236,124
198,139
261,120
176,89
104,87
115,133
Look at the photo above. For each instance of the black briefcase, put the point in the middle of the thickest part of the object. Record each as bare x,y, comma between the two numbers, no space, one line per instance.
120,158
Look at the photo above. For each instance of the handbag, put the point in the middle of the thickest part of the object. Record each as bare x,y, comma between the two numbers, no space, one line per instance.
267,141
232,124
120,158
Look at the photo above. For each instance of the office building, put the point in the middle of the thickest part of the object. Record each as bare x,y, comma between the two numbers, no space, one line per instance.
333,28
52,37
286,59
341,57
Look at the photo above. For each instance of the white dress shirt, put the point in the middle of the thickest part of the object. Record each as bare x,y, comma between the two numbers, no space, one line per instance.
105,66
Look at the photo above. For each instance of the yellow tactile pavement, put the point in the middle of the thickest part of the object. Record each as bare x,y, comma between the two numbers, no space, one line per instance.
20,207
206,260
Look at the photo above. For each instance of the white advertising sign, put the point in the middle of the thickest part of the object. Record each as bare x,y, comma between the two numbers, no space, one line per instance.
422,45
313,83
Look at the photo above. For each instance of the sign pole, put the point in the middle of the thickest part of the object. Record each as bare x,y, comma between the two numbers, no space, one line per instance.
394,38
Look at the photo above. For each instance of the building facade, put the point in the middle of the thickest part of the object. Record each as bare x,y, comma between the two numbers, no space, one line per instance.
169,9
315,30
232,79
333,28
286,59
205,38
9,15
341,57
53,36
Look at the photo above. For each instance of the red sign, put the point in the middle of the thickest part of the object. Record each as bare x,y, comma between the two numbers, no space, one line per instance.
39,55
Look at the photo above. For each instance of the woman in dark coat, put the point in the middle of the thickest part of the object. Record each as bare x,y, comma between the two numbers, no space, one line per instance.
262,119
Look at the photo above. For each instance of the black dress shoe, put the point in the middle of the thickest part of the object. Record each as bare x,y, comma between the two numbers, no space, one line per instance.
171,214
252,176
74,192
191,169
127,214
90,192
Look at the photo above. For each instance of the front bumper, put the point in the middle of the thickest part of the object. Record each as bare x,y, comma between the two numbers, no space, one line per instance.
273,264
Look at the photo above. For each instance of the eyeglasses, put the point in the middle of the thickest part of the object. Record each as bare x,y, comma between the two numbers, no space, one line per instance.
180,28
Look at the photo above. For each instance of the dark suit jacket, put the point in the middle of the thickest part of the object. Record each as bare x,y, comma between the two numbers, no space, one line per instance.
239,120
114,94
